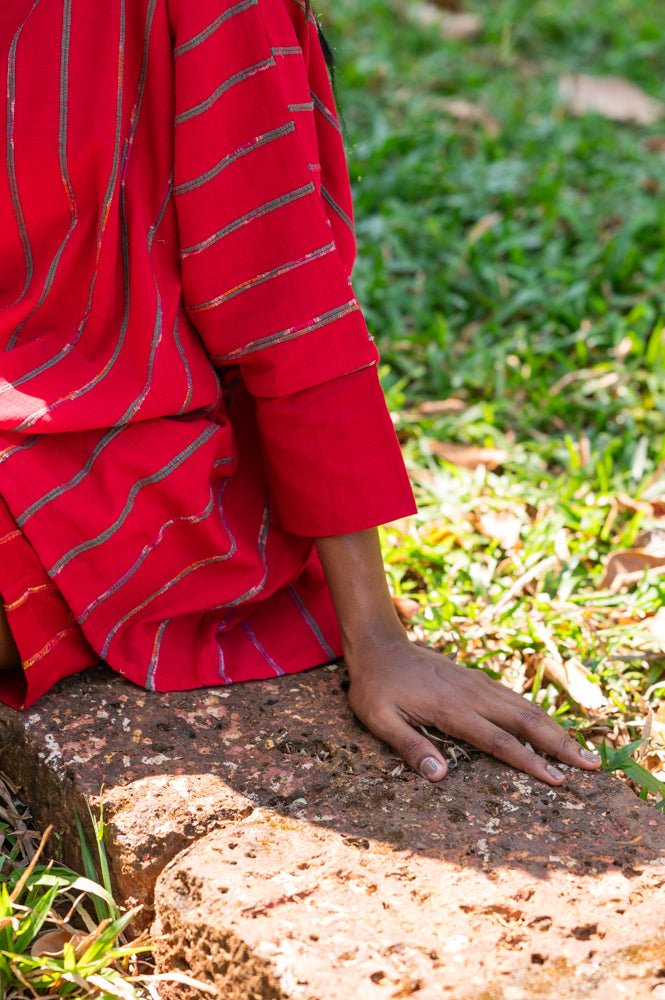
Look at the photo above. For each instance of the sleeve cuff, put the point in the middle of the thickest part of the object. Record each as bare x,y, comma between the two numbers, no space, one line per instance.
332,459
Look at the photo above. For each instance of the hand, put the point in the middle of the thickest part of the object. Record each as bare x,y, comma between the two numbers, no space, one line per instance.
396,686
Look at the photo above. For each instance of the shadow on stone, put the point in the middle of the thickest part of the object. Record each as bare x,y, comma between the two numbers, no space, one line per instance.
188,774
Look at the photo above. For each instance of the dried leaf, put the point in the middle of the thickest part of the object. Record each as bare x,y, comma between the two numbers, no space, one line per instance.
461,27
433,407
482,226
656,627
655,144
646,736
571,676
628,566
52,943
406,607
454,25
568,674
468,456
116,987
501,526
467,111
610,96
638,506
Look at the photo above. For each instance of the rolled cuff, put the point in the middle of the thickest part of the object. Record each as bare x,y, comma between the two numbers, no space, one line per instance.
332,458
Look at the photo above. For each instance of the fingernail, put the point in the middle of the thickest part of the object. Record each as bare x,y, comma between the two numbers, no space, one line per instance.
589,755
554,771
431,768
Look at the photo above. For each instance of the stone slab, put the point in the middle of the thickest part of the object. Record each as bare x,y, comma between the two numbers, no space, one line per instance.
280,907
180,769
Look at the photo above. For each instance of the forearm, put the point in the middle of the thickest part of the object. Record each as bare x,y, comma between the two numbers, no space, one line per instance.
353,566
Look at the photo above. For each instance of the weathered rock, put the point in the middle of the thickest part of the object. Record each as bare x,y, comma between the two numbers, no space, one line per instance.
551,882
279,907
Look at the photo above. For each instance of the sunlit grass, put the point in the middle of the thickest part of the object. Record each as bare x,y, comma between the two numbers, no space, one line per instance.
518,267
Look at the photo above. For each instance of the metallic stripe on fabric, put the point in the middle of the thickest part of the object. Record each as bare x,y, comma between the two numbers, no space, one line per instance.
156,477
182,575
300,604
237,8
243,220
243,74
336,207
260,140
259,279
291,332
11,163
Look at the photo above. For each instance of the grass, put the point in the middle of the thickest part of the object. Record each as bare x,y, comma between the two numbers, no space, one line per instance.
515,265
62,934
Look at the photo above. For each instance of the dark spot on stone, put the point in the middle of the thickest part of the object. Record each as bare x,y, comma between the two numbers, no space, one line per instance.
492,807
495,789
164,726
360,842
306,747
537,959
585,931
542,923
456,815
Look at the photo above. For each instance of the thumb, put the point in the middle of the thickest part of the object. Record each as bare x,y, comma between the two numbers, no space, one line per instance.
415,749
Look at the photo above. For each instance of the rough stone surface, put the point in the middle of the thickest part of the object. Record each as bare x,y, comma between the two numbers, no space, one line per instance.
490,885
279,907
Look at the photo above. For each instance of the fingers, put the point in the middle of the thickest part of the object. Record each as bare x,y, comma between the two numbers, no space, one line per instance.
503,745
415,749
532,723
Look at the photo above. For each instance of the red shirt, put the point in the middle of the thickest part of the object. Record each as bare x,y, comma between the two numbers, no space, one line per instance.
188,389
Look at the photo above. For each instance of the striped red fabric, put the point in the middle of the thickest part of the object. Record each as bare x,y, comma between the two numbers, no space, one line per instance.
188,389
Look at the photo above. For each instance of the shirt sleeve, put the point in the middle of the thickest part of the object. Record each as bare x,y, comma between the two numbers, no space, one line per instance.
267,247
333,461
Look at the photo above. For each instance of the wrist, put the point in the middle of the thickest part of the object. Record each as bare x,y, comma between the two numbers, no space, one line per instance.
370,634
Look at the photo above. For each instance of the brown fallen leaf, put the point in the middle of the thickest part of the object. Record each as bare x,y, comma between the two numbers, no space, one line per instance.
655,626
610,96
52,943
406,607
461,27
482,226
652,508
466,111
655,144
468,456
454,25
501,526
433,407
627,566
569,674
630,503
